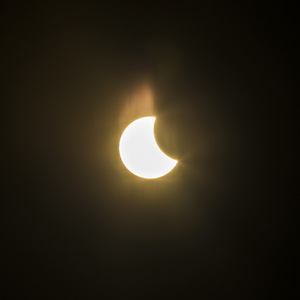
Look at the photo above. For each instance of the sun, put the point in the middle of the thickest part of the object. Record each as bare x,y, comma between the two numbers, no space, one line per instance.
140,153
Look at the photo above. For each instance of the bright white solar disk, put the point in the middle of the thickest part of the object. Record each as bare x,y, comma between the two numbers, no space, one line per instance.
140,153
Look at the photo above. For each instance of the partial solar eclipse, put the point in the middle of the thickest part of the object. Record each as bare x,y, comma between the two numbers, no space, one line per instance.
140,153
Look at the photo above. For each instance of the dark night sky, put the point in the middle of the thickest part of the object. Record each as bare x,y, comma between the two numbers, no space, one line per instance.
75,222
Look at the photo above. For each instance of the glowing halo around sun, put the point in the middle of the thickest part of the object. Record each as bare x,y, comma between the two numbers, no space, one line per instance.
140,153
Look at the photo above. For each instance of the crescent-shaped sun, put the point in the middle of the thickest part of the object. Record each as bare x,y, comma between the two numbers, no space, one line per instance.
140,153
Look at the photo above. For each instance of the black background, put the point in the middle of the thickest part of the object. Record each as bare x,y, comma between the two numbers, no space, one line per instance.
76,223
